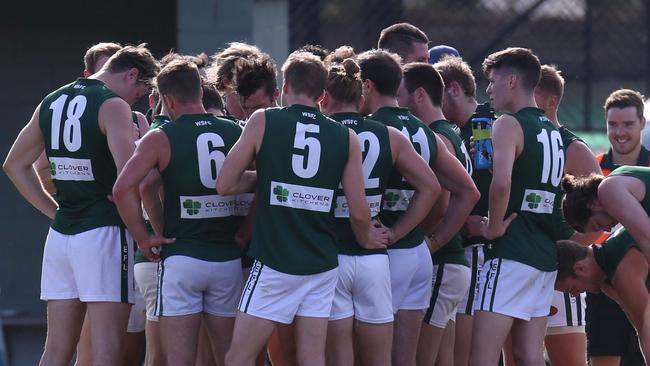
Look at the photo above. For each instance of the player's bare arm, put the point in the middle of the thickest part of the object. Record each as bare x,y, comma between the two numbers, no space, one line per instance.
621,197
416,171
508,140
153,151
18,166
580,161
44,171
629,282
233,177
464,195
116,122
439,209
150,189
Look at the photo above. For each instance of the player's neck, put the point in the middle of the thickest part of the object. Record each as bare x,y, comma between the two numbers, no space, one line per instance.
190,108
552,115
466,111
596,271
519,102
630,158
342,108
428,113
383,101
301,99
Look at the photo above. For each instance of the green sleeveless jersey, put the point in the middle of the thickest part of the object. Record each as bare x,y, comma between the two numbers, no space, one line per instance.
609,254
642,174
534,195
377,165
399,192
82,167
482,179
299,167
453,251
203,222
159,120
568,136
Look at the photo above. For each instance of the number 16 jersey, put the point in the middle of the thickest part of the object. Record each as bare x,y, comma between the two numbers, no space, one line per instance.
299,167
535,194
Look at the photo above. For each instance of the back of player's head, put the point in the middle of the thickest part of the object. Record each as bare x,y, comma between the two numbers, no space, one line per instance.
211,97
455,69
181,80
580,192
399,38
568,253
344,82
223,62
305,74
551,81
316,50
383,69
520,61
94,53
130,57
623,98
338,55
424,75
252,73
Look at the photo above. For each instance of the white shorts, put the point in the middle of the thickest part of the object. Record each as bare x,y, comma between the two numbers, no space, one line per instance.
138,314
514,289
280,297
567,311
363,289
92,266
410,277
474,255
450,283
146,278
188,285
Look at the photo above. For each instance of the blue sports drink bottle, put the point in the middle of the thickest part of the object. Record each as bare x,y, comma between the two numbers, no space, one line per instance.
482,131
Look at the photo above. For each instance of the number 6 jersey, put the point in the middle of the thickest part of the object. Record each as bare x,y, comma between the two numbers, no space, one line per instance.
82,167
203,222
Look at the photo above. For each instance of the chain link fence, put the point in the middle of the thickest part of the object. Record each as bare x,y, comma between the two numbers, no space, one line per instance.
599,45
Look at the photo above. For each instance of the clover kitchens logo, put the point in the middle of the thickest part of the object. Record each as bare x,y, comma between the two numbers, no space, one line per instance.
391,199
533,200
53,168
281,193
192,207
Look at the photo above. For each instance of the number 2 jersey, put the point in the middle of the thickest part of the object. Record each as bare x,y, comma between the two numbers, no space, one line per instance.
203,222
377,165
299,167
534,195
81,164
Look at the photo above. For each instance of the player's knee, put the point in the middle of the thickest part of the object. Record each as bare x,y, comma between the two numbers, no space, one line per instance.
524,358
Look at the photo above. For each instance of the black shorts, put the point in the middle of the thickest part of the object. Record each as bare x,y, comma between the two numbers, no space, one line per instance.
609,332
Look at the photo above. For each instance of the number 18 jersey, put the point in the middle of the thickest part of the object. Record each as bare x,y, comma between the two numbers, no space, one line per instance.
534,195
82,167
299,167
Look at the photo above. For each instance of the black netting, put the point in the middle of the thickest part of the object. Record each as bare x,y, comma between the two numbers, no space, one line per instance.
599,45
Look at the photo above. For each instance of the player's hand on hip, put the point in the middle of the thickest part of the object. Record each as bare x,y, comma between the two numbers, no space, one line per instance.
152,247
378,236
496,229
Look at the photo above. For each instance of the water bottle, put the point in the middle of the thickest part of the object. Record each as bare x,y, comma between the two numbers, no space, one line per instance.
482,121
